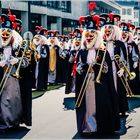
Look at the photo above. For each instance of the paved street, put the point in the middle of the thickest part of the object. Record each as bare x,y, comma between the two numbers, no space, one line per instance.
52,121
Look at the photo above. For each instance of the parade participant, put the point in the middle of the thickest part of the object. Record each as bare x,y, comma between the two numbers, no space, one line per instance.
98,109
70,41
112,34
70,85
41,72
25,80
10,101
63,60
32,53
53,43
132,55
137,41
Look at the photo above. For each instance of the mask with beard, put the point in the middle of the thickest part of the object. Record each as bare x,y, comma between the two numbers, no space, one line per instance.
125,36
77,43
51,41
109,31
6,37
90,38
61,45
37,40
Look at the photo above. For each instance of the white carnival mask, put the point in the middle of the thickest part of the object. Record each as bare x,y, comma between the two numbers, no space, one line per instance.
37,40
90,38
109,31
77,43
6,36
125,36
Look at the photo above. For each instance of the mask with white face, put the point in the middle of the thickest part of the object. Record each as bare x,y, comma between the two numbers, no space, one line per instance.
37,40
77,43
6,36
90,38
109,31
125,36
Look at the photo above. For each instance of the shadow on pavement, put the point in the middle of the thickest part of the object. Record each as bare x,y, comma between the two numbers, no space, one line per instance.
17,133
134,102
97,136
69,103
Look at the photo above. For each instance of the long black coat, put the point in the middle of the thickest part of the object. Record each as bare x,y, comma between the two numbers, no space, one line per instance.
43,69
123,102
107,110
26,95
33,67
61,68
134,84
70,77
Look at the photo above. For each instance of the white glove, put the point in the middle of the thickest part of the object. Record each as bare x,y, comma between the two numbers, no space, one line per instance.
63,54
135,65
79,68
3,63
120,72
13,60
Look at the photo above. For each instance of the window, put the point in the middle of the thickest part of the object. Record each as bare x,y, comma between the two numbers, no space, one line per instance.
129,11
106,10
36,3
66,6
49,3
102,10
123,11
35,21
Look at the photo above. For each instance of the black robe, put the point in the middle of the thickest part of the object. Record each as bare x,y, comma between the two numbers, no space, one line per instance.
33,67
25,82
123,102
107,111
61,68
43,66
70,81
26,94
134,84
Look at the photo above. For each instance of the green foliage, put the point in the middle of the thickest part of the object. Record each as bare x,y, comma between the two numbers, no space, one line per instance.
36,94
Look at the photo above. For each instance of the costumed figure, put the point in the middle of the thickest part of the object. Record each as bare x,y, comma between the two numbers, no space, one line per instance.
137,41
42,66
32,56
116,49
70,85
96,104
53,43
132,55
10,95
25,79
70,41
63,60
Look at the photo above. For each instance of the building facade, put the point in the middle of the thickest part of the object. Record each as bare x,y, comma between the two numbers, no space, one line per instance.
130,12
55,15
